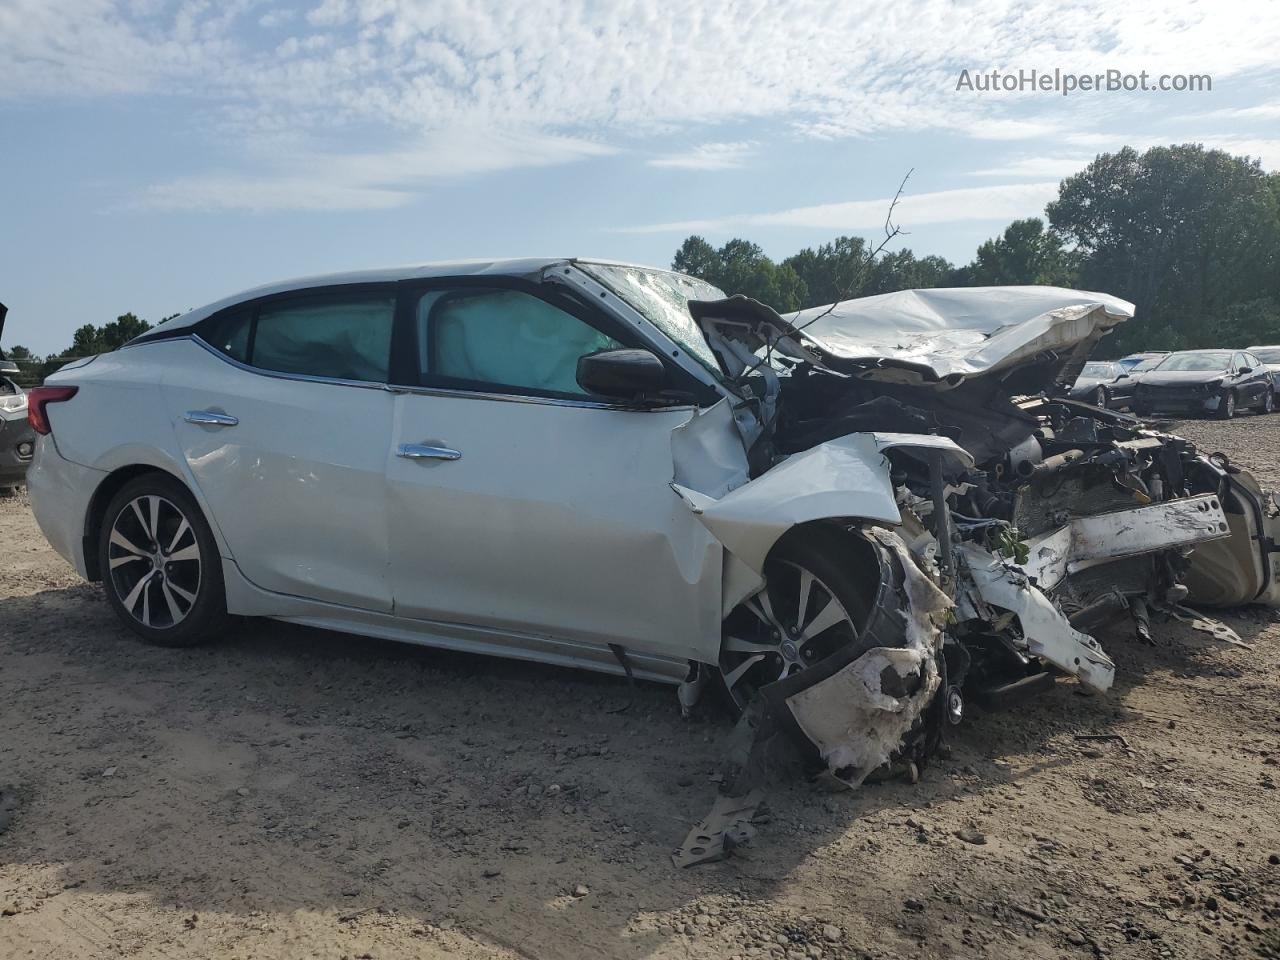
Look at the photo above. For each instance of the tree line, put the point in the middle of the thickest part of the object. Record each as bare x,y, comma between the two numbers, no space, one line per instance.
1190,236
87,341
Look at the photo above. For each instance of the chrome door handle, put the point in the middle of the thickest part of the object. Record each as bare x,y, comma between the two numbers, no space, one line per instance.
207,418
424,451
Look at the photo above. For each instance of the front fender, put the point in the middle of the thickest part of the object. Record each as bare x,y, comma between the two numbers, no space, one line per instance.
846,478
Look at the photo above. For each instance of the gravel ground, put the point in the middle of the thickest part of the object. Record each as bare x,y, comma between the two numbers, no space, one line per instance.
295,793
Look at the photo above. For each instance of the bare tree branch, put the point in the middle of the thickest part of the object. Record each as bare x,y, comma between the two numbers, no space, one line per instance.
891,230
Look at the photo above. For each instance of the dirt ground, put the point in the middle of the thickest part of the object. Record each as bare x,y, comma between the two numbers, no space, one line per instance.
294,793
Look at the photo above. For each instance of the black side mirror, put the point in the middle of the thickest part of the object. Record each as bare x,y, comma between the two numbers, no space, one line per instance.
1244,370
622,374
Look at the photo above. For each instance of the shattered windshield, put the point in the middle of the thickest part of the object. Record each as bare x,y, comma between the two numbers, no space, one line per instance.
662,297
1206,362
1096,371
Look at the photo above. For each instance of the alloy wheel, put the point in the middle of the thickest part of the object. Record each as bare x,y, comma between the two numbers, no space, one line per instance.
154,562
793,622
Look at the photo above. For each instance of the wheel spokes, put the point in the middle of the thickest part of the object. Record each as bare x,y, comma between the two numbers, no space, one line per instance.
739,645
806,585
736,673
183,527
825,619
189,597
151,596
186,553
170,600
124,543
131,600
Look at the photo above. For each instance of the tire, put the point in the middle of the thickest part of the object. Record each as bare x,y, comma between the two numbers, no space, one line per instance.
1100,398
830,557
182,601
1227,408
1268,404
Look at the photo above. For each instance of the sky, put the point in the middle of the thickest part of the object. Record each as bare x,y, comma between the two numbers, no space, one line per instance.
160,155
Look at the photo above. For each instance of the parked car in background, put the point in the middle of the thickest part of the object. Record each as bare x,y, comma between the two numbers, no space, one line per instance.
1270,356
17,439
1134,359
1104,383
1205,383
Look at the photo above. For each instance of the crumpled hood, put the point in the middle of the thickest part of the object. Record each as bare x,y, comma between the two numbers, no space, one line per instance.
948,334
964,331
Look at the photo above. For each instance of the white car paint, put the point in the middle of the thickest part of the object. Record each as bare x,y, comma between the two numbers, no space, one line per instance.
555,534
962,331
297,485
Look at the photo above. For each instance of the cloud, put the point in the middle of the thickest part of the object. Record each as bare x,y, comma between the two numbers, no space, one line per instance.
1038,167
307,180
707,156
623,70
1004,202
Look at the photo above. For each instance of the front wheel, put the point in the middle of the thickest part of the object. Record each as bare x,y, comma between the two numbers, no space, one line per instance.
160,564
1100,398
1268,402
816,600
1227,406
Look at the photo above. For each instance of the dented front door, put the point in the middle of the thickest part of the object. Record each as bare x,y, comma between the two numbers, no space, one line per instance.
554,519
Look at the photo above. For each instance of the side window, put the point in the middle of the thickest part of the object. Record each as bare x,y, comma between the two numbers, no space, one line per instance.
345,337
230,334
1252,361
1238,361
504,339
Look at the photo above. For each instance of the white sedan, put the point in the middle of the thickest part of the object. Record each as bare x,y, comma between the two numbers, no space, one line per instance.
616,467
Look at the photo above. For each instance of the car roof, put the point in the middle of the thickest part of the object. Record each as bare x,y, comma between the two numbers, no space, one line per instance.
512,267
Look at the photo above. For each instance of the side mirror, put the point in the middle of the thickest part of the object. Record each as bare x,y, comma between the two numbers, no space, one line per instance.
9,366
622,374
1245,370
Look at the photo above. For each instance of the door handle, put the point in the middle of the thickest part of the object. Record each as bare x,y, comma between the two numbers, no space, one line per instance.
425,451
207,418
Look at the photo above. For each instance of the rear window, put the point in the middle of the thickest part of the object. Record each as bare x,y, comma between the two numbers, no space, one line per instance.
338,336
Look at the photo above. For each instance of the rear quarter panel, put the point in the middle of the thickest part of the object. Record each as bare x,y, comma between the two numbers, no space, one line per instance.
119,417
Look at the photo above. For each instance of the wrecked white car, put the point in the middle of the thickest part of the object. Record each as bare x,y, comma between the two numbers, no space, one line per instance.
850,522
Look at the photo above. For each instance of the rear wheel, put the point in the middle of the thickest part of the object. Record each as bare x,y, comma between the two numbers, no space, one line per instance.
814,602
160,564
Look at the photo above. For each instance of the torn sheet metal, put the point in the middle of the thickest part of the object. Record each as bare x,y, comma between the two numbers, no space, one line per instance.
1088,541
724,829
845,477
1198,621
708,453
1045,630
861,715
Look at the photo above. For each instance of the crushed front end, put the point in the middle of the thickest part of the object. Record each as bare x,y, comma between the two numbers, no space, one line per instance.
996,564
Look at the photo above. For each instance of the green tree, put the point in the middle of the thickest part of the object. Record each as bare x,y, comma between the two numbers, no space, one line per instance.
89,341
1183,232
1026,253
831,272
741,267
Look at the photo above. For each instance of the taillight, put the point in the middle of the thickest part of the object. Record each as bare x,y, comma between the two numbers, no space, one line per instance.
38,398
